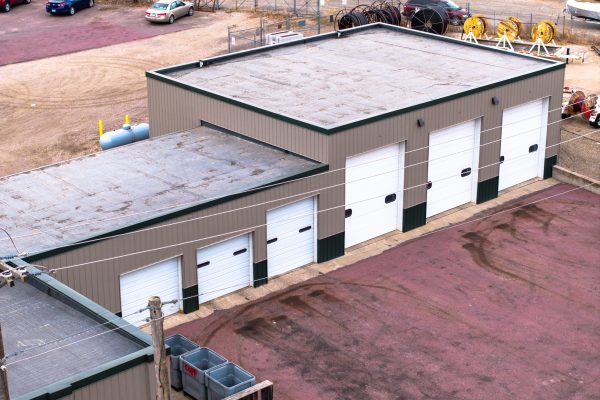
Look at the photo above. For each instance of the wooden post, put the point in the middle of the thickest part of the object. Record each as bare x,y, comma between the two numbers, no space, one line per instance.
4,395
161,373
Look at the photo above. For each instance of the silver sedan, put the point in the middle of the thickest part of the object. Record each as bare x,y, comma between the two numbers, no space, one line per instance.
168,11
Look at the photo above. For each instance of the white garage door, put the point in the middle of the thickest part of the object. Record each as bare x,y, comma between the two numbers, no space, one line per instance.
224,267
161,279
291,234
453,166
374,193
523,143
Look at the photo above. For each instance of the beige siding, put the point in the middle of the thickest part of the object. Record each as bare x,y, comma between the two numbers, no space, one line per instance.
136,383
167,103
173,109
99,280
404,128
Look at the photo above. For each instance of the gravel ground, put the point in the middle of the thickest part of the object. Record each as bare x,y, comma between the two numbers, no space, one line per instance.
49,107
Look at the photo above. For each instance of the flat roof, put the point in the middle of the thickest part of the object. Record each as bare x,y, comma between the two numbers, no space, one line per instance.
52,340
136,184
330,81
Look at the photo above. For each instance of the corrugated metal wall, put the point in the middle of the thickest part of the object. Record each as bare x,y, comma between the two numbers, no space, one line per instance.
136,383
404,128
99,280
175,109
168,102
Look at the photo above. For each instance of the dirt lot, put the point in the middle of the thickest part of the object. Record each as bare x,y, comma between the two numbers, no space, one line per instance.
504,308
49,108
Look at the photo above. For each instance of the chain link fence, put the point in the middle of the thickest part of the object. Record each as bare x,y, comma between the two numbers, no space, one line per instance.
244,39
311,17
291,7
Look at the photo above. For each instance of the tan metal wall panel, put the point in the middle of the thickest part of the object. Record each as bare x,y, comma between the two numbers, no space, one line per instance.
136,383
173,109
99,280
403,128
378,134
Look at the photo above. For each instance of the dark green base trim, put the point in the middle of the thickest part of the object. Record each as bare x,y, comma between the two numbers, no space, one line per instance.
414,217
260,273
190,304
487,190
549,164
330,247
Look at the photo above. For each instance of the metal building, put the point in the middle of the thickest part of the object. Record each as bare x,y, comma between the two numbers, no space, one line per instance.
60,345
287,155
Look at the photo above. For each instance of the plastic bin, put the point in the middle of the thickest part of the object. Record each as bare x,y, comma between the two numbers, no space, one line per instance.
226,380
194,366
179,345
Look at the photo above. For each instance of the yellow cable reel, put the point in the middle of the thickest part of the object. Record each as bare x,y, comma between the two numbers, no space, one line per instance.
517,21
545,30
477,24
508,28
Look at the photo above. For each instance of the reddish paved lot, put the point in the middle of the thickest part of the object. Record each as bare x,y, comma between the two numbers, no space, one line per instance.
504,308
28,32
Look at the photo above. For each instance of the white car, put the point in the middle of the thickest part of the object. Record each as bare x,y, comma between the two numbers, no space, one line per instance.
169,11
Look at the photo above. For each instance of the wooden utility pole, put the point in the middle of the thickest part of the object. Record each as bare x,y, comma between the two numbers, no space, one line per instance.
161,373
4,395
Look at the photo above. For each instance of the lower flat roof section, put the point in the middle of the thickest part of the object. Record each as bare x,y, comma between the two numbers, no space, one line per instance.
135,184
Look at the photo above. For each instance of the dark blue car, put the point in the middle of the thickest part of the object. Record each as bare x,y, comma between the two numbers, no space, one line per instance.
67,6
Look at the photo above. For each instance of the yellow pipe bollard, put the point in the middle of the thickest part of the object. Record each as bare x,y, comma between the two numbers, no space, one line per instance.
100,127
127,119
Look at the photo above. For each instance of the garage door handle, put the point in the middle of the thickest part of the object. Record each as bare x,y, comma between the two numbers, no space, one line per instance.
241,251
429,185
204,264
390,198
271,240
501,159
465,172
306,228
348,213
533,148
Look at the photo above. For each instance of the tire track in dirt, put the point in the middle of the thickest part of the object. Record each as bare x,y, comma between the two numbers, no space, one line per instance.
89,96
482,249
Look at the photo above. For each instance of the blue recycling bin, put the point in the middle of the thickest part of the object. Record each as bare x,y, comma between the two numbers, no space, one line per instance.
227,379
179,345
194,366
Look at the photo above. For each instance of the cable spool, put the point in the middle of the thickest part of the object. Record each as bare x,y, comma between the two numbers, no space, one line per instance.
379,11
430,20
519,24
545,31
350,20
477,24
508,28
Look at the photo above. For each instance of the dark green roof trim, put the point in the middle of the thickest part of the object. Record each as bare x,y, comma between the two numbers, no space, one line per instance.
177,213
58,290
160,75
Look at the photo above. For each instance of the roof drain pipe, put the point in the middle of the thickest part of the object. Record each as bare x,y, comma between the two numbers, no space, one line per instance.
127,134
